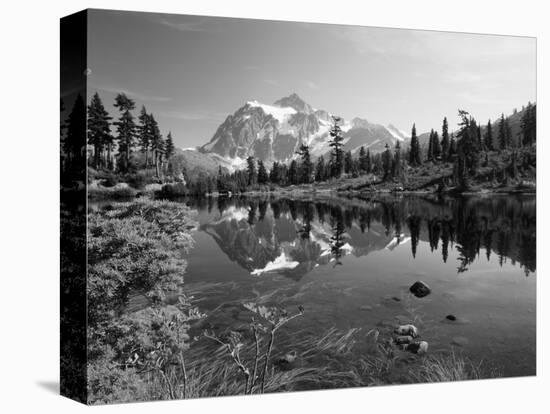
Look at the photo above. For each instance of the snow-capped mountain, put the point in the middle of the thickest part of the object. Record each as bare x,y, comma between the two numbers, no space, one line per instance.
275,132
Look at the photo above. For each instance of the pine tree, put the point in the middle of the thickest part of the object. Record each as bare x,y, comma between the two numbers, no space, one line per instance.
275,174
320,169
414,155
126,128
74,144
387,162
363,161
99,130
306,166
336,143
430,156
502,133
170,148
263,177
145,132
452,148
445,142
157,143
348,162
529,124
467,149
489,137
293,173
251,171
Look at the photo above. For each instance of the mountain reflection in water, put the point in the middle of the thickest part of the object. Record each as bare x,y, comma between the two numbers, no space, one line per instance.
292,237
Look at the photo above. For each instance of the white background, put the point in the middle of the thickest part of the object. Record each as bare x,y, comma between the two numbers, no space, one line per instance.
29,298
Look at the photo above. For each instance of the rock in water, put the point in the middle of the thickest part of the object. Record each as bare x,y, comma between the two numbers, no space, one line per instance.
420,289
419,347
403,340
460,341
407,330
450,317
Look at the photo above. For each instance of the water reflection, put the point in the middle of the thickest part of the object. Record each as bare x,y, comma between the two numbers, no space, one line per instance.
291,237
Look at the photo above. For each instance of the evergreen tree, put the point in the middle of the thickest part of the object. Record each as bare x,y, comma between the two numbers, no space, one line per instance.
275,173
364,161
452,148
99,131
145,133
252,175
445,142
502,133
430,156
467,149
170,148
156,143
336,143
320,169
387,162
529,124
489,137
293,173
126,129
74,145
348,162
306,166
263,177
414,155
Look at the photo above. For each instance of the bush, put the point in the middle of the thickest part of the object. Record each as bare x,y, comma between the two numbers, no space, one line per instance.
140,179
110,180
173,190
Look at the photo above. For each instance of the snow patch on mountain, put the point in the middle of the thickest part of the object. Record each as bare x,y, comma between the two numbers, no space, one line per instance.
280,114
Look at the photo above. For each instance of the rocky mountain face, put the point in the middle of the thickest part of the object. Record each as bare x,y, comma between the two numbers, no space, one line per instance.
275,132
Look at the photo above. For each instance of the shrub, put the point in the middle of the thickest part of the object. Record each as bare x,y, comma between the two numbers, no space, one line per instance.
140,179
173,190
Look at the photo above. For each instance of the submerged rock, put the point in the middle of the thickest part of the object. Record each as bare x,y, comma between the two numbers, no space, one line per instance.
403,339
407,330
450,317
420,289
419,347
287,359
365,307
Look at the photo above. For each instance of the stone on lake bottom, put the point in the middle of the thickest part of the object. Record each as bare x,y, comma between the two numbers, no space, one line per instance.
407,330
420,347
460,341
420,289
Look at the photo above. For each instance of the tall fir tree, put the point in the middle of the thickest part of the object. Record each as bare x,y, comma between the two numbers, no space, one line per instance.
387,160
157,144
348,162
430,156
445,141
502,141
306,166
251,171
320,169
529,124
336,143
414,154
170,148
74,144
263,177
293,173
99,130
126,129
397,167
436,147
363,160
144,131
275,173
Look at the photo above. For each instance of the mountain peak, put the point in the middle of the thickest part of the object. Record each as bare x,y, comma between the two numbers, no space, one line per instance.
294,101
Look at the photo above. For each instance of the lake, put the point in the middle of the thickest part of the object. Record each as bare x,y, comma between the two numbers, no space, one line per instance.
350,263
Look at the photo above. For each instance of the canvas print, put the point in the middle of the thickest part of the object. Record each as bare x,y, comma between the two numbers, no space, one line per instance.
281,206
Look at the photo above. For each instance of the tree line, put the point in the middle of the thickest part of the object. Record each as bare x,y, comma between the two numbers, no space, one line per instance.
142,134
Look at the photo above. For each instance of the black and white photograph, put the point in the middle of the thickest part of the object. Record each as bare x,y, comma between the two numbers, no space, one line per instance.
274,207
284,206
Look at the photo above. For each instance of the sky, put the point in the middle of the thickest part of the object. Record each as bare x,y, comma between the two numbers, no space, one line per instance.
192,72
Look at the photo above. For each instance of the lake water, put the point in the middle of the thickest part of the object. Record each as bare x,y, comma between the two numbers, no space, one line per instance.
350,263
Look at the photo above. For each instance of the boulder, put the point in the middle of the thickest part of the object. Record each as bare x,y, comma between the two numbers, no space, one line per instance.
403,339
419,347
420,289
407,330
450,317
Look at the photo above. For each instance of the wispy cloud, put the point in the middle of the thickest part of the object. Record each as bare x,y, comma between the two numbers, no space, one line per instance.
134,94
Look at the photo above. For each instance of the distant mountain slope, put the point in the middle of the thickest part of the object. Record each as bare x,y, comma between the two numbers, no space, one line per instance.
275,132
